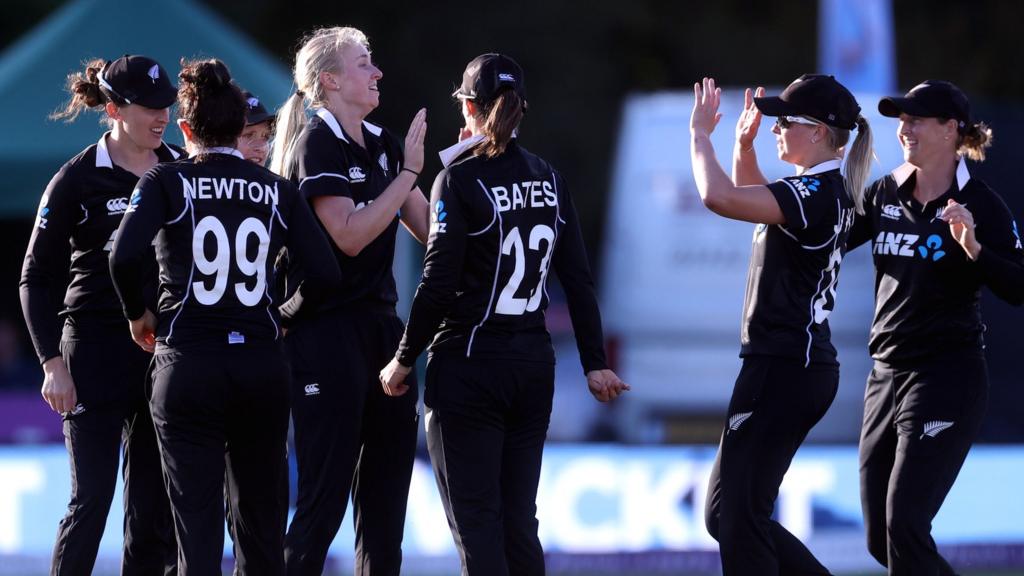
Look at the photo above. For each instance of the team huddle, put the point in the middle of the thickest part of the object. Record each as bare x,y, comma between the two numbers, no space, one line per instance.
256,296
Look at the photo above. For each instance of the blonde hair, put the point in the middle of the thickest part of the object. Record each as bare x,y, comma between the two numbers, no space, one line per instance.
858,162
319,53
974,140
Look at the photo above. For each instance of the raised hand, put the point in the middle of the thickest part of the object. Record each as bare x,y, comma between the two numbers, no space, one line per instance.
414,141
750,119
605,385
961,227
706,98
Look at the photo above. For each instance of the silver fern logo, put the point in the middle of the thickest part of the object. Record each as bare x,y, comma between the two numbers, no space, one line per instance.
737,420
154,73
933,428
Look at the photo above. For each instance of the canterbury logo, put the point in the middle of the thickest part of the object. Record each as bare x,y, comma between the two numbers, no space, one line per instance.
312,389
356,174
892,211
737,420
933,428
116,206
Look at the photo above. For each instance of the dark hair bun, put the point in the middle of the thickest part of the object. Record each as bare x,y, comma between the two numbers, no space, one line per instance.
211,102
208,75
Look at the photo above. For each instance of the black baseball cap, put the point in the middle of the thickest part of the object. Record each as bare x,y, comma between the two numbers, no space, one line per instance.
930,99
255,111
133,79
487,74
817,96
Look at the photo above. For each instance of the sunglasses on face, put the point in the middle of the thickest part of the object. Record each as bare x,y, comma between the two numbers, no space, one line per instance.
784,122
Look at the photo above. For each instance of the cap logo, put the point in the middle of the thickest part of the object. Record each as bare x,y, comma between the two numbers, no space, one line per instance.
832,117
504,77
154,73
253,102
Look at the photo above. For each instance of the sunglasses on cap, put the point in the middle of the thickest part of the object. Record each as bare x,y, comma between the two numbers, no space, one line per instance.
784,122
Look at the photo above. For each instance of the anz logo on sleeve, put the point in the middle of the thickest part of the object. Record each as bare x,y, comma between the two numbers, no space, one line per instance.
909,245
42,220
437,223
805,185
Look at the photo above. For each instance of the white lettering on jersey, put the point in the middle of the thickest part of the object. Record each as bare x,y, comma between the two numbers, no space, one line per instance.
206,188
895,244
529,194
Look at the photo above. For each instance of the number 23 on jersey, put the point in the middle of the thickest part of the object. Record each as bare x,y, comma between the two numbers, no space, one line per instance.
508,303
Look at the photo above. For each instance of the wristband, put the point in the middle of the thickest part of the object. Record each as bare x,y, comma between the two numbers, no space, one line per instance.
411,171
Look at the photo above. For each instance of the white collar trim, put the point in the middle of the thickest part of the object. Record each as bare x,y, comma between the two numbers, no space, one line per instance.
372,128
332,123
102,153
218,150
335,127
963,175
173,152
825,166
451,153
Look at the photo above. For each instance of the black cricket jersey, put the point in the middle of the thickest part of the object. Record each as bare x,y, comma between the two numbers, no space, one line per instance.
794,268
498,226
927,289
329,163
218,218
76,224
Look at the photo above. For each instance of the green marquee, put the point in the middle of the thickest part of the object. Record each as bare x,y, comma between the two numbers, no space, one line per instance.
34,68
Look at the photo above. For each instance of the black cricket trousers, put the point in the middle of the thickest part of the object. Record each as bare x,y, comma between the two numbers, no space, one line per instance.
217,411
920,419
775,403
350,437
109,371
486,422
